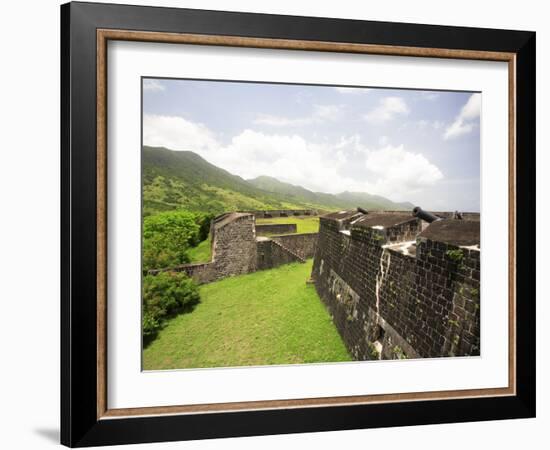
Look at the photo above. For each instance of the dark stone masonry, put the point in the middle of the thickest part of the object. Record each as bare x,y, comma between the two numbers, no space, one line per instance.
237,249
395,285
398,287
268,214
273,254
302,244
275,228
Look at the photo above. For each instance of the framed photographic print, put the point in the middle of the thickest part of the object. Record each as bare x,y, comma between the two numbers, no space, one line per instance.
276,224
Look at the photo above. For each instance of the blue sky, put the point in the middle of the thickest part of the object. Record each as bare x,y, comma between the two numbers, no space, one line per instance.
407,145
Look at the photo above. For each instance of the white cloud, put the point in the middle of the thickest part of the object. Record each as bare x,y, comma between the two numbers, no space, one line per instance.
290,158
153,85
327,112
466,121
177,133
457,129
472,108
399,173
388,108
326,167
352,90
321,113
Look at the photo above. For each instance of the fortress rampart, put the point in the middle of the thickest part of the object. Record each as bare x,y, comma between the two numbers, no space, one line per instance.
275,228
398,287
270,213
237,249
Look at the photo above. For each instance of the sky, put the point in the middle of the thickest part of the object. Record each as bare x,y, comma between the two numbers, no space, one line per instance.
406,145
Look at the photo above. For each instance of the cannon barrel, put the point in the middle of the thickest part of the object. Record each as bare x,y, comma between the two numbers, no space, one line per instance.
424,215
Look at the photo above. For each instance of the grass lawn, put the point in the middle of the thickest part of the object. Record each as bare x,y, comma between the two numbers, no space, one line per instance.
200,253
304,224
267,317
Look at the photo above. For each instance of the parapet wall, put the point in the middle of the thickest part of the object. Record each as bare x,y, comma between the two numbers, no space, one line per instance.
236,249
475,216
275,228
267,214
200,272
397,292
234,245
303,244
271,254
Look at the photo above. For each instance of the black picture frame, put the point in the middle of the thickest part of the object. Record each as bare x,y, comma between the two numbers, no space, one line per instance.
80,425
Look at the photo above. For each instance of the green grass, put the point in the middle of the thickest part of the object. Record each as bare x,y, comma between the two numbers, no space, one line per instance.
304,224
267,317
200,253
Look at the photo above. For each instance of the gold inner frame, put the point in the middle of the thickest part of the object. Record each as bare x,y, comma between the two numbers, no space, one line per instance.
104,35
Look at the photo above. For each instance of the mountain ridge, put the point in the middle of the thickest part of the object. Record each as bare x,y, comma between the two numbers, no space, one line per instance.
346,198
183,179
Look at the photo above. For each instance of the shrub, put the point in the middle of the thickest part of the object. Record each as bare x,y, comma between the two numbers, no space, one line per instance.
164,295
455,255
156,255
204,220
398,352
166,238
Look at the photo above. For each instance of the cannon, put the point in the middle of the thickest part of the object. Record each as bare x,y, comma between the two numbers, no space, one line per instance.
424,215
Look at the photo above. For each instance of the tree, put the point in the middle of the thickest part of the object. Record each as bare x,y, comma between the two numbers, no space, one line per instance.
166,238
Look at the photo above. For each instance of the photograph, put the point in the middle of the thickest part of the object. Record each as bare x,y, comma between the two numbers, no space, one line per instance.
300,224
280,222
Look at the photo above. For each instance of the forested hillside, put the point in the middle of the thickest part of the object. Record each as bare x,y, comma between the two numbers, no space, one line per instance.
184,180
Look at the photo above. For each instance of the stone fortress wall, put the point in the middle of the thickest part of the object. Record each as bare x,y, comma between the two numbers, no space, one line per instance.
237,249
275,228
302,244
398,287
270,213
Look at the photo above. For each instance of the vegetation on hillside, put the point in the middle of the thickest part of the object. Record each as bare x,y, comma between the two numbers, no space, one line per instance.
184,180
165,295
343,200
182,192
167,236
267,317
201,253
297,194
373,202
174,180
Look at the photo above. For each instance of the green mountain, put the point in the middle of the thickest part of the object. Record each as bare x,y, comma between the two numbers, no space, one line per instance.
374,201
298,193
338,201
185,180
